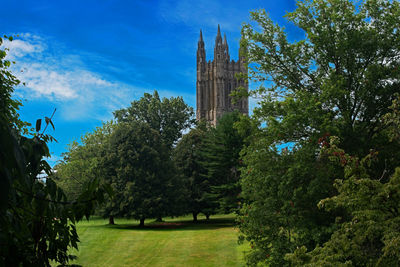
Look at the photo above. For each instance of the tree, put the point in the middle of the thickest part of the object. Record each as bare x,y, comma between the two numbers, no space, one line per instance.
220,155
140,173
339,80
188,157
37,223
83,162
167,116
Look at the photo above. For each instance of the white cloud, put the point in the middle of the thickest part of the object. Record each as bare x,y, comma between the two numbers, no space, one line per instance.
41,81
62,78
54,75
20,48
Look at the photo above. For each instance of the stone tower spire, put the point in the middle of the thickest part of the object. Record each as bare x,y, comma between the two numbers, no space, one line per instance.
201,68
219,49
201,51
216,80
226,48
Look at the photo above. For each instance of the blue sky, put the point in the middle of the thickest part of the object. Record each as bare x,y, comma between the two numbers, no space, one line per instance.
89,57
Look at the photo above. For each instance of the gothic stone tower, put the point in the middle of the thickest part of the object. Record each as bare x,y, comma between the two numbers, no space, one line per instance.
216,80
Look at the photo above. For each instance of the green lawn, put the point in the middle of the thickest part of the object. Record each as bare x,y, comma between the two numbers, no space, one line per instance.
177,242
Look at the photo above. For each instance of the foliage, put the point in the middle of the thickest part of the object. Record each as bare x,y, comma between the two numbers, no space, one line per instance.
392,120
371,236
167,116
140,173
188,157
220,158
281,190
9,106
340,80
37,223
107,155
83,162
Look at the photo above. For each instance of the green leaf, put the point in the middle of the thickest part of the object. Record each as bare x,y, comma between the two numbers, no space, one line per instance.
48,120
38,124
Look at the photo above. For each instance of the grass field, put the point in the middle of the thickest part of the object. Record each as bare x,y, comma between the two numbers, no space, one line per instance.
176,242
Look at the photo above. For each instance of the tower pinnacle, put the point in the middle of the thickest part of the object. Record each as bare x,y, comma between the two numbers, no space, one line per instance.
218,39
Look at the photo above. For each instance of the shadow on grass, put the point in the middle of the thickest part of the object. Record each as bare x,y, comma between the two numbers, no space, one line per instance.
211,224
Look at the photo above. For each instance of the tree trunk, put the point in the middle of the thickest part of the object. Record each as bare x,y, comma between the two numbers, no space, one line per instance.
194,216
111,220
207,217
141,222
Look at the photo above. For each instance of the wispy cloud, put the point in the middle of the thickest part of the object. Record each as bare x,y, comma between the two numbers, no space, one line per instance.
49,72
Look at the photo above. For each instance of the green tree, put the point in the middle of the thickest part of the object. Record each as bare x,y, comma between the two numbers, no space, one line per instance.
188,157
339,80
140,173
222,162
169,117
83,162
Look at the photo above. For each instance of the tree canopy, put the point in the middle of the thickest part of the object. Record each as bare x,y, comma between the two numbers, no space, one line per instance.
169,116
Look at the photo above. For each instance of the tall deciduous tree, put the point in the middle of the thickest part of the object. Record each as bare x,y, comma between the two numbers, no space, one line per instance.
169,117
140,174
339,80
